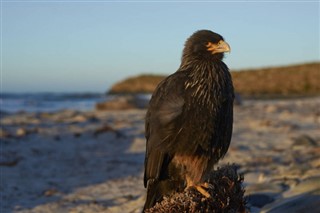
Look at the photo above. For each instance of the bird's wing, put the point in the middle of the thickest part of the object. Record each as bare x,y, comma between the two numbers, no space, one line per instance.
223,116
165,106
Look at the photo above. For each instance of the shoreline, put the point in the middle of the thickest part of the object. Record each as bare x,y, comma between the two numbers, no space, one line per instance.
92,161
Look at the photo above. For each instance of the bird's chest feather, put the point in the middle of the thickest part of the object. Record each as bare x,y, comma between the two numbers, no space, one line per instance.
204,98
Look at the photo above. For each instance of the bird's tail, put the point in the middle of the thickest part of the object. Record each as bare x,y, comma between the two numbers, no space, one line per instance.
153,194
156,190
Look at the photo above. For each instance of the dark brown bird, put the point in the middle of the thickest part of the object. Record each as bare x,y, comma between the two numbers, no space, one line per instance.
189,120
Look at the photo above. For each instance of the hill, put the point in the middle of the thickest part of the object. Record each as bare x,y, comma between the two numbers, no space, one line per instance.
293,80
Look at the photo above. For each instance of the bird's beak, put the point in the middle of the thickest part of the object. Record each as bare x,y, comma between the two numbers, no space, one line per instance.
220,47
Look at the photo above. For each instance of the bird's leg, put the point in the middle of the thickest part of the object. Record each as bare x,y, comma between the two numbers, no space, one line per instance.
200,187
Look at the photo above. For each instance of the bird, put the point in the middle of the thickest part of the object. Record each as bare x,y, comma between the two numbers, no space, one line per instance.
189,120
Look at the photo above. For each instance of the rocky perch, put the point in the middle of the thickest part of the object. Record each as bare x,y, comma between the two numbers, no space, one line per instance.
227,195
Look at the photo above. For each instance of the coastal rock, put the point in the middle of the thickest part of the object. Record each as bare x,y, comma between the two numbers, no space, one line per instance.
4,133
125,102
260,194
269,189
245,82
238,99
305,197
304,140
301,203
21,132
105,129
259,200
120,103
309,185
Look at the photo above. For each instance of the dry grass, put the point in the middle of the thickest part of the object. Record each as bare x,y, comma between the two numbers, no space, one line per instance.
294,80
301,79
138,84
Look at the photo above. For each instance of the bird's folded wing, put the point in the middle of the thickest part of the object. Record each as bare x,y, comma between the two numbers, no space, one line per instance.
165,107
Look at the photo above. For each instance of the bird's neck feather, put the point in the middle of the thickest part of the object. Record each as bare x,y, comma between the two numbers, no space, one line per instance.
204,79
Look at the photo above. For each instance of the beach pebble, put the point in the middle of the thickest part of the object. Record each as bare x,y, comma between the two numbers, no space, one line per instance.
271,108
77,119
20,132
50,192
315,163
4,133
304,140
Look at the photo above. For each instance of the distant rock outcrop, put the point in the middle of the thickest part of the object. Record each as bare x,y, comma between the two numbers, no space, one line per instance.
138,84
293,80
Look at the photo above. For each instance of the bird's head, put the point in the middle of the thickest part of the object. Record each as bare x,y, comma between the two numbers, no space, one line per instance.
205,44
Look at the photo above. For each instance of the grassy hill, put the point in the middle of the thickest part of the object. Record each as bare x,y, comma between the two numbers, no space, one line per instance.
293,80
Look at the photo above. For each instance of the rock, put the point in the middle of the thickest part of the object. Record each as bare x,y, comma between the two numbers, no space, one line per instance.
304,140
5,134
260,194
238,99
254,177
254,209
57,138
306,186
301,203
93,119
20,132
9,163
105,129
119,103
50,192
271,108
226,195
125,102
315,163
305,197
78,119
77,134
259,199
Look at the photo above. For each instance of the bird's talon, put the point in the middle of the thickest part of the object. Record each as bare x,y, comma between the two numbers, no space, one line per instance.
202,191
208,185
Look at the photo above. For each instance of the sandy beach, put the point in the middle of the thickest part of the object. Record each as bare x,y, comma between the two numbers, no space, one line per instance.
72,161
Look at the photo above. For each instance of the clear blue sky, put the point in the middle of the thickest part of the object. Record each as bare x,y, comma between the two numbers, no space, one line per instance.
82,46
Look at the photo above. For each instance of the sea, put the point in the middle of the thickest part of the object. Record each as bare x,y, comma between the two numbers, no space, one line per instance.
49,102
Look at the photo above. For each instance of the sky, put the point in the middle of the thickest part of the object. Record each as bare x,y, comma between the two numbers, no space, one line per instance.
86,46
